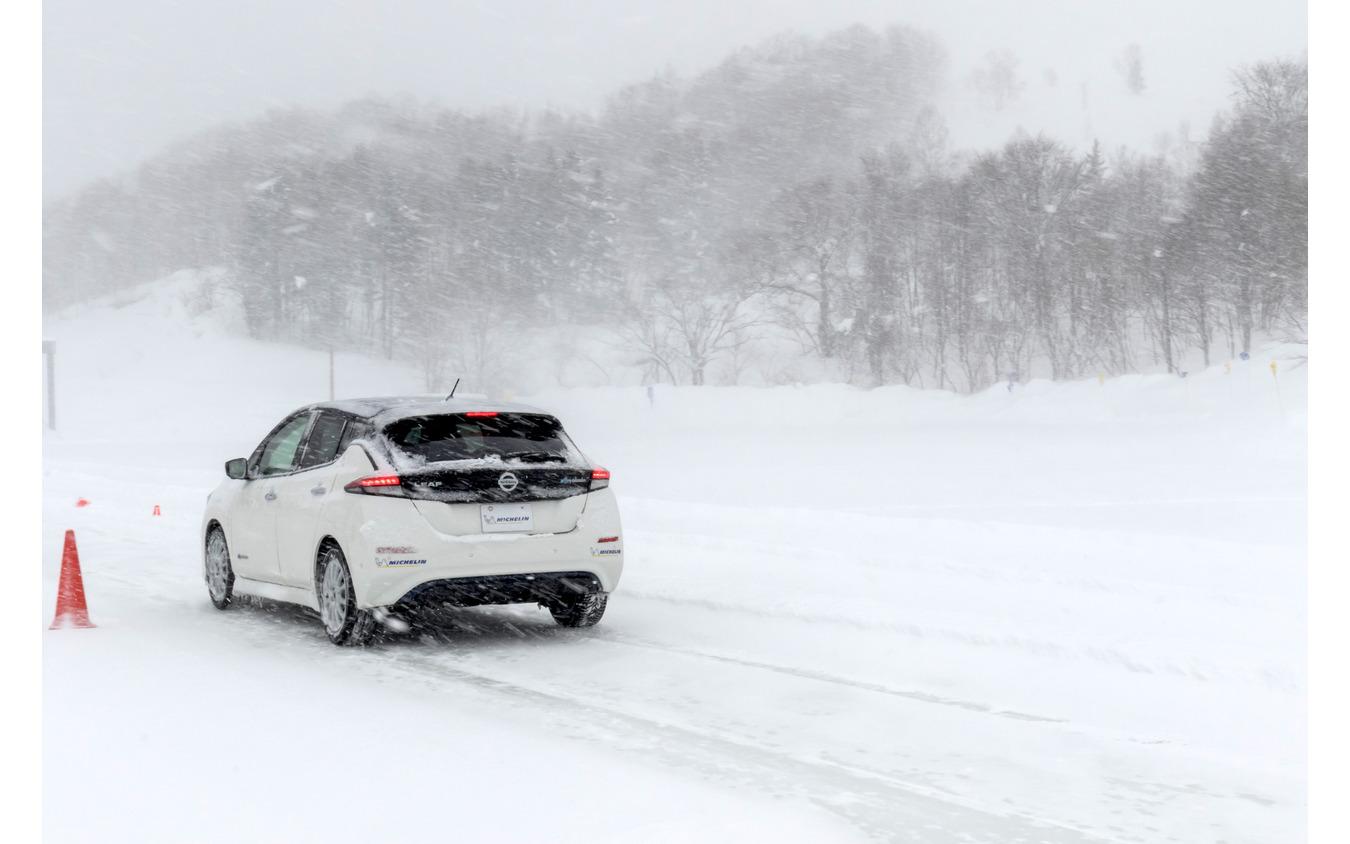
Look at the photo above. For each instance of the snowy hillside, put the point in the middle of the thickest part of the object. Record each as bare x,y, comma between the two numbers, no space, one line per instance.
1062,612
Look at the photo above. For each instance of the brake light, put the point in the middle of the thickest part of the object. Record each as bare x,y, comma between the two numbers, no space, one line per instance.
481,413
376,485
599,478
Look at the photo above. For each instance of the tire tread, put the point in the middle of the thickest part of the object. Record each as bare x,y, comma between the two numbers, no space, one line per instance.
581,611
360,624
229,570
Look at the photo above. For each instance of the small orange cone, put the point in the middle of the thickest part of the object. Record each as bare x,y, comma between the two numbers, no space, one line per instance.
156,513
70,608
81,503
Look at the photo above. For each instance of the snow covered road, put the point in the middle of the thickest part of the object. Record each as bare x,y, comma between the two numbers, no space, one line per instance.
1072,613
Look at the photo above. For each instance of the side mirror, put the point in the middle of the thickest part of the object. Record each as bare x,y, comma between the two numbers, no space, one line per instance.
237,468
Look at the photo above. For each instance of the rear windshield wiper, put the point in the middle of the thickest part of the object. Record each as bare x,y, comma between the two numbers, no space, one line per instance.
534,457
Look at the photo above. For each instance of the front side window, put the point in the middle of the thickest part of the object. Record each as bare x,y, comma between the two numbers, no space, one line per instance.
531,438
278,456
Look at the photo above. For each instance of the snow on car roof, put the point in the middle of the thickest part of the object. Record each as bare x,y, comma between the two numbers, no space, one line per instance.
389,408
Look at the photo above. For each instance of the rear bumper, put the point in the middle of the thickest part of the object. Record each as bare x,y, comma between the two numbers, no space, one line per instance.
396,555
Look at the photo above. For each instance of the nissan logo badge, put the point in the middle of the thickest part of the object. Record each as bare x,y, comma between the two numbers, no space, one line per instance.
508,482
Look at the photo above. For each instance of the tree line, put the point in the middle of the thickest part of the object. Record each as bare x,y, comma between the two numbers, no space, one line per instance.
797,208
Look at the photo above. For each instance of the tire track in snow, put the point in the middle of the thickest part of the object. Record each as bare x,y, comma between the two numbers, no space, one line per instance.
1112,657
881,804
609,637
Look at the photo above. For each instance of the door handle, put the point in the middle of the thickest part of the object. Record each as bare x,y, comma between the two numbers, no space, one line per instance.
271,496
318,490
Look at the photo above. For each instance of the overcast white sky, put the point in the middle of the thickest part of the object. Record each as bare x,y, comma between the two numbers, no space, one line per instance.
123,78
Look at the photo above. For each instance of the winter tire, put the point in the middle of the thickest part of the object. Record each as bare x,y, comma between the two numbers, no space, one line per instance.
342,621
581,610
219,572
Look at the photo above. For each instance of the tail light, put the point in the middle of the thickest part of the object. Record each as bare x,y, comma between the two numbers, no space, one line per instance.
376,485
599,478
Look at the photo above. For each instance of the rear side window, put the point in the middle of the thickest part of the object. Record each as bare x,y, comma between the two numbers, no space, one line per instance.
324,437
531,438
356,430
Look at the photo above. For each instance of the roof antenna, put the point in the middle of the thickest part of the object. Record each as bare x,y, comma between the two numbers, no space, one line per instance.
452,390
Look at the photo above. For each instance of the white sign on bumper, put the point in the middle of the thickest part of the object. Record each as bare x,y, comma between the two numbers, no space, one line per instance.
503,517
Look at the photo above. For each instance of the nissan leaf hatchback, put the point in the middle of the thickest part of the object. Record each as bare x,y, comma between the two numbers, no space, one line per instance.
362,507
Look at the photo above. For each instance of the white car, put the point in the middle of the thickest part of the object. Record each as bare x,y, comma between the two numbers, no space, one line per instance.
362,508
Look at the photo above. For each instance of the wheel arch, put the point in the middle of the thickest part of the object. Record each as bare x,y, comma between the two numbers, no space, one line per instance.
212,524
325,542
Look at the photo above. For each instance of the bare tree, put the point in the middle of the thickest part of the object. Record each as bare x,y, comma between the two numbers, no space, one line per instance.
997,78
1130,66
802,260
680,328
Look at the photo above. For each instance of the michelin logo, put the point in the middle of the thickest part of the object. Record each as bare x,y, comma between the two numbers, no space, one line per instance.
390,563
606,552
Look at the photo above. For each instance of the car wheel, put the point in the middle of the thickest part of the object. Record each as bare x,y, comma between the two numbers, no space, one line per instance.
342,621
219,572
580,610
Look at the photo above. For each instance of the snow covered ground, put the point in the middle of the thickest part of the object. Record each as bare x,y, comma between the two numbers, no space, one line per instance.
1070,612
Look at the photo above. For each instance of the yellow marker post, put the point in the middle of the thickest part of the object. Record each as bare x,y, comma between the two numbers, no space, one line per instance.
1101,378
1228,369
1278,398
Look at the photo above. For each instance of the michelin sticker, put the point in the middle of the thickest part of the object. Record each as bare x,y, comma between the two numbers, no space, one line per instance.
384,557
606,552
386,564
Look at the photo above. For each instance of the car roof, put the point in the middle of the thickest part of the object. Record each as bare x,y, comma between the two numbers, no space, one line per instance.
385,409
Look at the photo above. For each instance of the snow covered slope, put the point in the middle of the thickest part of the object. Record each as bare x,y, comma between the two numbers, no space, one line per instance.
1069,612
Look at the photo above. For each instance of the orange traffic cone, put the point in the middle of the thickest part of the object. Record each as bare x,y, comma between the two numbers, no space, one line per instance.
70,608
81,503
156,512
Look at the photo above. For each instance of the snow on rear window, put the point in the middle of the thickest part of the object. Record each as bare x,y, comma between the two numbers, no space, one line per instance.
507,437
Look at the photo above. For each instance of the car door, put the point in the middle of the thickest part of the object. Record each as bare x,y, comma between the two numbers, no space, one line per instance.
301,496
254,515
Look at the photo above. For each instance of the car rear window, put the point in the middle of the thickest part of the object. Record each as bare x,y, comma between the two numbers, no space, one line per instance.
531,438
